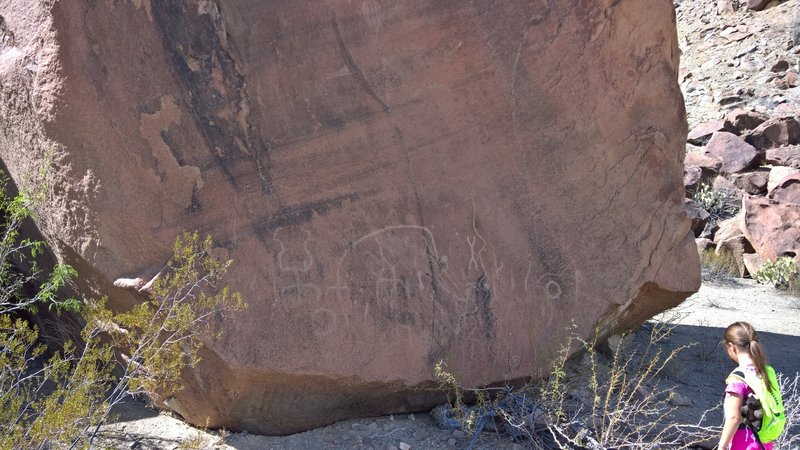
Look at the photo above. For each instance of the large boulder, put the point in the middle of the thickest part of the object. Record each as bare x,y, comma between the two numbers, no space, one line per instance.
775,132
777,174
771,227
743,119
736,154
698,169
700,134
399,183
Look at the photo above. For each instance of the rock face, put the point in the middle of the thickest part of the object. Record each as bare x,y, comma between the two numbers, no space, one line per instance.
787,190
399,183
775,132
771,227
736,154
784,156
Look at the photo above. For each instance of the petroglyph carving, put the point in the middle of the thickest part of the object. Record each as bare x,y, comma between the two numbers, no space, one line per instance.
295,284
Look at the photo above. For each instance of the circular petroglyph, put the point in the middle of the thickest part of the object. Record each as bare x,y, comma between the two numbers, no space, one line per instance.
552,290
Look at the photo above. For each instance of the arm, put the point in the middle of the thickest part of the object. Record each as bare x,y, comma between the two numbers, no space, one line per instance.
733,417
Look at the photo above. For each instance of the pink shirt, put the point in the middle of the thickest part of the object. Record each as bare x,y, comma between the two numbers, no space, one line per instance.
744,439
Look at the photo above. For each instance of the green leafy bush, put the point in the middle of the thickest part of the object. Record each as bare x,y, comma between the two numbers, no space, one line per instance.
782,272
719,204
61,400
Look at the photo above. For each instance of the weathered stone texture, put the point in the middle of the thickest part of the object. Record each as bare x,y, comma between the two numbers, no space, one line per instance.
398,182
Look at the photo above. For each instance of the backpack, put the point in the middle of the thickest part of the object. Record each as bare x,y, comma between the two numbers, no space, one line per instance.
762,411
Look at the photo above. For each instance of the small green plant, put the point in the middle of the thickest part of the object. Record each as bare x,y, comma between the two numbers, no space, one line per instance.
782,272
719,204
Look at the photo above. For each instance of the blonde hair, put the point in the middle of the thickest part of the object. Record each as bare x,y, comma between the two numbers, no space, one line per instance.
744,336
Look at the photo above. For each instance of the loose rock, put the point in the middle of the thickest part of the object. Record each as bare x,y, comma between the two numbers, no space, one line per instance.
784,156
775,132
754,183
677,399
744,119
787,190
736,154
757,5
780,66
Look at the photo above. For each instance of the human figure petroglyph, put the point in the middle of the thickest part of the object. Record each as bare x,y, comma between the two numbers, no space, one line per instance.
295,283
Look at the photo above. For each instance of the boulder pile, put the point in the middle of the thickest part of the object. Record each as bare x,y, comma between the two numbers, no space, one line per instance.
749,163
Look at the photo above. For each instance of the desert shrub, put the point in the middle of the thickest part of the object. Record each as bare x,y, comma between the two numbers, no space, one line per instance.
719,204
782,272
61,400
717,266
591,401
790,391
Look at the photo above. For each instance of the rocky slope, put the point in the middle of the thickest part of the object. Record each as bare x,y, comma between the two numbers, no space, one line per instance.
742,151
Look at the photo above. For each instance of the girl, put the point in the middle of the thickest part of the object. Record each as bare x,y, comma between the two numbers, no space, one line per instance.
741,343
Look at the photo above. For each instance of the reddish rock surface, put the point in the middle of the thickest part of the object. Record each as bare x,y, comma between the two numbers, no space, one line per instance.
775,132
700,134
698,169
730,238
398,182
784,156
752,262
692,177
743,119
757,5
697,215
754,183
777,174
709,164
772,228
736,154
787,190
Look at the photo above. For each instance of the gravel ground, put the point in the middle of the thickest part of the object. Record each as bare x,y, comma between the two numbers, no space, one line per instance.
697,373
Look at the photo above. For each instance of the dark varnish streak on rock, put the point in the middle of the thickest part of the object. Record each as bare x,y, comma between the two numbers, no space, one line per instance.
198,45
